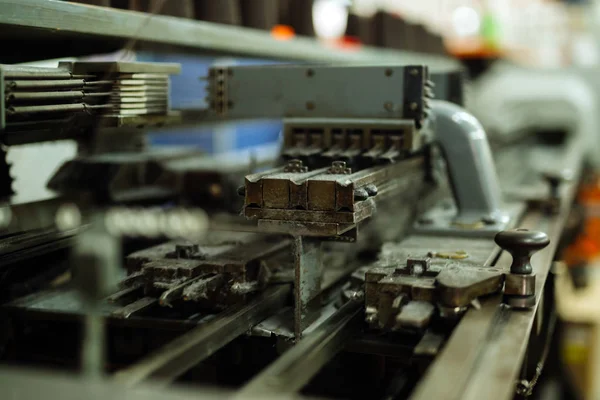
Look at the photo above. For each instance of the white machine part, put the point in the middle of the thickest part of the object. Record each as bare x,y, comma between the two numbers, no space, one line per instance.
511,101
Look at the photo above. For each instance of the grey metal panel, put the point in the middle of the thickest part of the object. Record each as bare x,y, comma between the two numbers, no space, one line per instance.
315,92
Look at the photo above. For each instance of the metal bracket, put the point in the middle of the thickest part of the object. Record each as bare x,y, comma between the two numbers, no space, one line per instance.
307,282
472,174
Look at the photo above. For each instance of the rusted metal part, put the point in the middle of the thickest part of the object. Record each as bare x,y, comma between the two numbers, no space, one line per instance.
218,271
405,279
321,203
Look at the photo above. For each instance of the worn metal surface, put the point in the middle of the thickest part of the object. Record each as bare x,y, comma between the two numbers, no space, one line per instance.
473,364
298,365
219,270
319,203
420,273
175,358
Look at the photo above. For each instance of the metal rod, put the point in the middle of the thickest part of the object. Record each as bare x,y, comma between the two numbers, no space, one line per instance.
174,359
297,366
93,345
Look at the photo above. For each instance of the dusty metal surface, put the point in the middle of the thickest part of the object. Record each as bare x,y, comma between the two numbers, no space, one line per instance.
220,270
175,358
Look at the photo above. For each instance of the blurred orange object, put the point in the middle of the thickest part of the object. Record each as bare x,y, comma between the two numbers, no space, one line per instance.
587,245
283,32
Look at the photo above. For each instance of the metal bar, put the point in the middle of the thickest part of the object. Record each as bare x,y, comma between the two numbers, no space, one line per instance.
307,282
297,366
175,358
77,19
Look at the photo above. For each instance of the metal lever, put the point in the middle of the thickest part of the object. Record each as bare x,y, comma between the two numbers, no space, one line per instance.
522,244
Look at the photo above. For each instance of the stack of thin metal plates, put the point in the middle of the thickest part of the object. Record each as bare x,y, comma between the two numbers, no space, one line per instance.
79,94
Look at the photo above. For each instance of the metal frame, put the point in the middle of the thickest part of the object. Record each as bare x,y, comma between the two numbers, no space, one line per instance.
76,20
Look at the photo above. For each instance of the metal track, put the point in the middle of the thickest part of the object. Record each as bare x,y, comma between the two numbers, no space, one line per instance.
174,359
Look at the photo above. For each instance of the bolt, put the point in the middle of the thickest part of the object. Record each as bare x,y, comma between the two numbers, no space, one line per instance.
295,165
310,105
371,189
310,72
389,106
414,72
388,72
360,195
414,106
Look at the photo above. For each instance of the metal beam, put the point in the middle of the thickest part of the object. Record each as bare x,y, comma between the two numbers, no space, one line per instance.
58,18
175,358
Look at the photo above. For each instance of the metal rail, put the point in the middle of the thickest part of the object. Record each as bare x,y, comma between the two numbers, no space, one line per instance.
174,359
297,366
50,18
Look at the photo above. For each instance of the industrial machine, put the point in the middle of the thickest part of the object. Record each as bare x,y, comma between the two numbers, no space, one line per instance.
393,250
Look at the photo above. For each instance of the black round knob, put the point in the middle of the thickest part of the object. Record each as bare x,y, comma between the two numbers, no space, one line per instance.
521,244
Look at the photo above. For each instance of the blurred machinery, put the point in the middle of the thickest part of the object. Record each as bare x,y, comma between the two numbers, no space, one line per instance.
393,250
